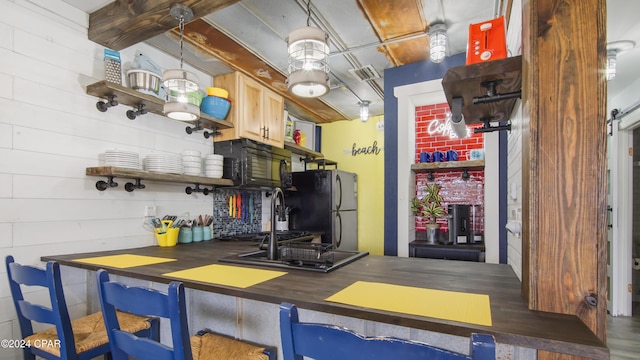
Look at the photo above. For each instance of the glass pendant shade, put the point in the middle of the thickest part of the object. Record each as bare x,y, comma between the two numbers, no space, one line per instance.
437,42
611,64
364,110
308,62
182,95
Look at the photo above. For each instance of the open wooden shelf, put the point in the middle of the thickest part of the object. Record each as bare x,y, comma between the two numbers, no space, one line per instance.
127,96
138,175
300,150
447,165
465,81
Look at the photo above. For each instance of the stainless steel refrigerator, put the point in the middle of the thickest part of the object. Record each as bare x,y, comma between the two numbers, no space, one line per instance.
325,201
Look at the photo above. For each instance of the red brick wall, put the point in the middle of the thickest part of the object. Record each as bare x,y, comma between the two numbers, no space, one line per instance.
454,190
425,142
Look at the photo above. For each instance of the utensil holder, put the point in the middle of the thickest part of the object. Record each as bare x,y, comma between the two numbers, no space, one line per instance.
166,235
206,233
185,236
197,233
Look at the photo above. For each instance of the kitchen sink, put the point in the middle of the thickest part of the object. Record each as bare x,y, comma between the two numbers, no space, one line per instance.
310,260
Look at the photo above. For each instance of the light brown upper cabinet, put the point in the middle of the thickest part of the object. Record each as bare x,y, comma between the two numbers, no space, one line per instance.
256,112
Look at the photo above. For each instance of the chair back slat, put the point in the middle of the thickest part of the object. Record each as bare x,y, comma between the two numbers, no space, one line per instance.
37,313
127,298
28,275
27,312
141,301
141,348
324,341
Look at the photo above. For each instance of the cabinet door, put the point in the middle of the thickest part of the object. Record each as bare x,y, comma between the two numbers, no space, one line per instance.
274,118
250,122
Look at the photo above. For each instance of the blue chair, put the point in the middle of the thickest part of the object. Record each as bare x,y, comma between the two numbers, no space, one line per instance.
144,301
83,338
323,341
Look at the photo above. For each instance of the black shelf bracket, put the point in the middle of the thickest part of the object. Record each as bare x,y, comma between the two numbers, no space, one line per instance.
140,110
430,176
129,187
465,175
492,95
486,127
190,190
104,185
103,106
207,134
214,132
190,129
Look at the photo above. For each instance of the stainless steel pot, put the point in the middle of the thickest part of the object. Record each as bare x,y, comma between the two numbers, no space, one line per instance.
144,81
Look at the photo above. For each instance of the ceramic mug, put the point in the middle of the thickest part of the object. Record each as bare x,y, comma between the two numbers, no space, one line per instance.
452,155
425,157
476,154
438,156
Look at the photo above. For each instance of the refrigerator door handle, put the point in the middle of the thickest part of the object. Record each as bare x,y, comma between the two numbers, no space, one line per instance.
338,229
339,183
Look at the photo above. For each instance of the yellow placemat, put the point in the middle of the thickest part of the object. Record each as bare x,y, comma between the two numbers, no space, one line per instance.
236,276
447,305
124,261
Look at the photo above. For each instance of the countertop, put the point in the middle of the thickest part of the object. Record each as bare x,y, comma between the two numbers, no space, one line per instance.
513,322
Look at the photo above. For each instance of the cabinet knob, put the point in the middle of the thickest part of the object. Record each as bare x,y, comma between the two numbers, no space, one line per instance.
267,133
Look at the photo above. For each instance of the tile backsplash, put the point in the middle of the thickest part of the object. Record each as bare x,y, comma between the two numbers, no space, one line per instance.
224,224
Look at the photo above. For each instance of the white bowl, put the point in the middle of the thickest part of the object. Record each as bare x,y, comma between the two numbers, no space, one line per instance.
213,156
213,161
192,163
191,158
213,172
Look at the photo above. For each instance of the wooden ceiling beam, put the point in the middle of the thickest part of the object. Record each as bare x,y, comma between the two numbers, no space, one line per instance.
123,23
211,41
383,17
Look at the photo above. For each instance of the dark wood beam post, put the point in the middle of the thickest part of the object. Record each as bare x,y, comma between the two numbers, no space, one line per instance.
125,22
564,159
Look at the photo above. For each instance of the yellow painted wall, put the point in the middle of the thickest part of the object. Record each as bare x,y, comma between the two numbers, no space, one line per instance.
337,144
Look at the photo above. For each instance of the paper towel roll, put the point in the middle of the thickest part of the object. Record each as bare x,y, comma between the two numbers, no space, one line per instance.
636,263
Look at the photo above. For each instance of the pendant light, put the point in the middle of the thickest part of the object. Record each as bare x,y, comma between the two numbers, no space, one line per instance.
437,42
613,50
364,110
181,86
308,60
611,64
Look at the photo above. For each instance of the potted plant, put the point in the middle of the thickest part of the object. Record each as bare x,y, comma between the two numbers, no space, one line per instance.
430,208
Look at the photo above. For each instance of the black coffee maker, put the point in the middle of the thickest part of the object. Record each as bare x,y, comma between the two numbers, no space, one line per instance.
459,224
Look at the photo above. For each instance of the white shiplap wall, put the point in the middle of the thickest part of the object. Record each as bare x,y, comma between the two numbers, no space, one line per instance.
514,158
50,131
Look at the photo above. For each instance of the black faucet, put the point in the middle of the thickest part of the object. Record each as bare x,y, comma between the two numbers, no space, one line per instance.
272,250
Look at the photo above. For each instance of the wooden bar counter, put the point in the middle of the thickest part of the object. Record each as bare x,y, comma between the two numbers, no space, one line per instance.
512,322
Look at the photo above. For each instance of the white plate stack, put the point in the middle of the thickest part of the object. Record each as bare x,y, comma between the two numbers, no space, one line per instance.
121,158
213,165
163,163
192,162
